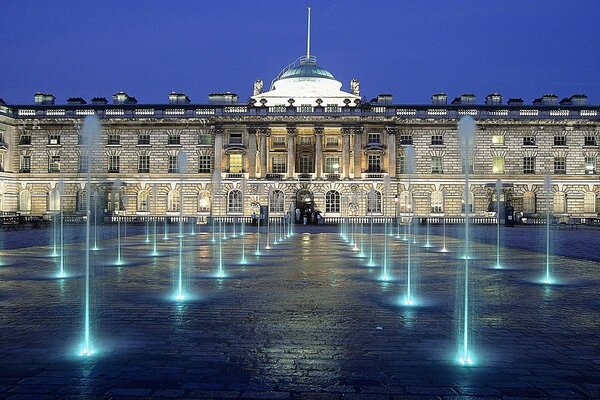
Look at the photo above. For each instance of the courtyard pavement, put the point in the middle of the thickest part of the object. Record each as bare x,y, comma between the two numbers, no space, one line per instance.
305,320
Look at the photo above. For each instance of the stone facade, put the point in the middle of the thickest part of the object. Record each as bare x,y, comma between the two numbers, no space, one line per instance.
346,152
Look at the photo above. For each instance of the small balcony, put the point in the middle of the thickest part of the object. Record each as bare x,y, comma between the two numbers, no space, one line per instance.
375,147
304,176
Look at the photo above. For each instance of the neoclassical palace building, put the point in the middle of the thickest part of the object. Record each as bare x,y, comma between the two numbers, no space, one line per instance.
302,142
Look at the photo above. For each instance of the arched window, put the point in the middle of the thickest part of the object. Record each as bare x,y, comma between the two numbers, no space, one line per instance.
374,202
25,200
203,201
53,200
143,203
529,203
589,203
81,201
332,202
173,201
437,202
559,203
235,202
277,201
471,203
405,201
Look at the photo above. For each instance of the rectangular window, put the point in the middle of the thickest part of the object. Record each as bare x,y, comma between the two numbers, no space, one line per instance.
54,138
589,140
331,142
560,165
306,165
54,164
406,139
144,164
25,166
529,141
400,163
235,138
305,140
498,165
374,138
113,164
114,137
437,140
173,164
590,165
235,163
332,165
560,140
279,142
174,138
83,162
25,138
205,164
204,137
471,165
529,165
374,163
144,138
437,165
498,140
279,164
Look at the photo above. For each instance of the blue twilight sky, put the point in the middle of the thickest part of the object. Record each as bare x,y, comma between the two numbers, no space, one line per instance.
410,48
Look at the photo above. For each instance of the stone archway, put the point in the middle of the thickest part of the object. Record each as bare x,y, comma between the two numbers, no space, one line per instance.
305,200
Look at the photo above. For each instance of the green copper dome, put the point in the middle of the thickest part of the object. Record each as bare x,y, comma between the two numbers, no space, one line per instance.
307,70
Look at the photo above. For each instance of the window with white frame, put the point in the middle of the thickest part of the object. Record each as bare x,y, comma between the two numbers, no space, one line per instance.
560,140
332,201
279,164
400,163
332,165
559,203
144,164
589,140
205,164
204,201
305,164
374,163
374,138
529,203
173,164
405,202
53,200
437,202
144,138
174,137
276,201
173,201
590,165
143,203
498,140
234,201
331,142
53,164
54,137
113,163
204,137
374,202
589,203
25,164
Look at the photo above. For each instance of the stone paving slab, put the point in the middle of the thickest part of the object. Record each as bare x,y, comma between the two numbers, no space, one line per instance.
310,321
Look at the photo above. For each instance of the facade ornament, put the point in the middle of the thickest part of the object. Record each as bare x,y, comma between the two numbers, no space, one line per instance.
258,87
355,87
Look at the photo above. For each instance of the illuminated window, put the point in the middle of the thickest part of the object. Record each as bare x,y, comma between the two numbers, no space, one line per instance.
279,164
54,164
276,202
54,138
173,201
559,203
498,140
81,201
53,200
498,165
25,200
437,202
235,163
405,202
234,202
204,202
332,165
143,205
332,201
590,165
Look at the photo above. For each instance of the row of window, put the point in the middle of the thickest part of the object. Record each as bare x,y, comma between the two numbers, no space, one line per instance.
277,202
498,140
529,165
114,138
205,164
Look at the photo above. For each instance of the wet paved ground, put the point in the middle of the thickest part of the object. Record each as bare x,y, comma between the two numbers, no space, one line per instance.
308,320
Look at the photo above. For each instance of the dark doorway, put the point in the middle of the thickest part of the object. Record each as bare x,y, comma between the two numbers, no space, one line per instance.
305,204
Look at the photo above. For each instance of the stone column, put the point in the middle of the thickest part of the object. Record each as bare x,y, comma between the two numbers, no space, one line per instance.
346,132
252,153
319,151
291,148
358,152
218,149
264,134
391,149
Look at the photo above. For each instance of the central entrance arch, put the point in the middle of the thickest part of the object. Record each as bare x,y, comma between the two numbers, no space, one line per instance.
305,203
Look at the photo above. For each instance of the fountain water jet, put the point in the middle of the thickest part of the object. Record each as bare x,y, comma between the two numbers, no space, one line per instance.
182,161
154,236
95,248
498,193
61,273
117,189
409,153
547,279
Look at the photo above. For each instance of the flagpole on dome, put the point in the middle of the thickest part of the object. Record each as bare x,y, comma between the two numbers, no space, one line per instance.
308,37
